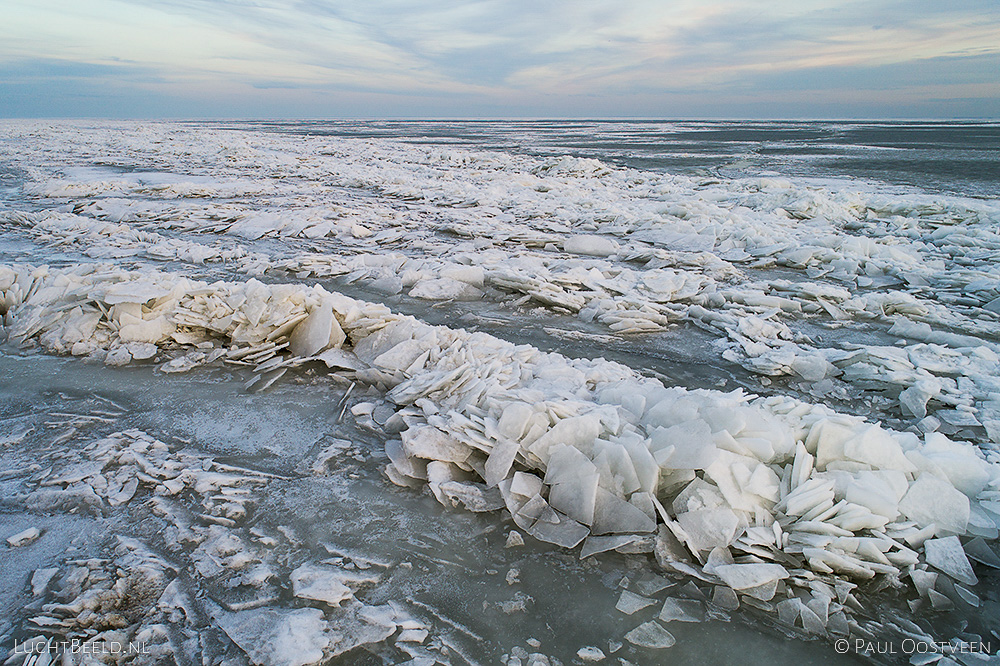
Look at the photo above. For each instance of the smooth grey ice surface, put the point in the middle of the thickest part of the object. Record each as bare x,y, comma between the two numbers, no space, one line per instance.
262,492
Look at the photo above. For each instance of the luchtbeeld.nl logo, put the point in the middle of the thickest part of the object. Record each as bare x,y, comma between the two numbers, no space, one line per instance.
76,646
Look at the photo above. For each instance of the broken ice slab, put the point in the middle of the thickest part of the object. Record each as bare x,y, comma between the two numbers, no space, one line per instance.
947,556
650,634
629,602
933,501
604,461
24,538
320,583
709,528
745,576
598,246
278,637
681,610
600,544
319,330
980,551
445,289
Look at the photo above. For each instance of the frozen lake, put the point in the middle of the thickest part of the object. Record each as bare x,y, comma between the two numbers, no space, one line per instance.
539,392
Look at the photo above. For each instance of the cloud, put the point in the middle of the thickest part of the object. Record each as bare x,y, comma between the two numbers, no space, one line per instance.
517,56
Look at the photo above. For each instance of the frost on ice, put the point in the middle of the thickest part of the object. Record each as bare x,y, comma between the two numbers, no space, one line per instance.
775,499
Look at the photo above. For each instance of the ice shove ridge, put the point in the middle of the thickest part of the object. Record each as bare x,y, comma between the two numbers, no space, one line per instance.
771,497
948,375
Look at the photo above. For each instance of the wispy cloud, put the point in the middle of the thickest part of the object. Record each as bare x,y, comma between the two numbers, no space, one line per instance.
457,57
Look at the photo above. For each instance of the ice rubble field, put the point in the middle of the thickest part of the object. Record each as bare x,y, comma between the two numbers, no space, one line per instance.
770,499
634,251
772,502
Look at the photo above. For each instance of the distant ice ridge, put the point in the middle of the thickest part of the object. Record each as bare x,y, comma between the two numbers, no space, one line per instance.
108,240
785,503
635,251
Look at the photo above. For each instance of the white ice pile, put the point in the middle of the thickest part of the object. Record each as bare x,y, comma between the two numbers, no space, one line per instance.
636,251
103,240
788,504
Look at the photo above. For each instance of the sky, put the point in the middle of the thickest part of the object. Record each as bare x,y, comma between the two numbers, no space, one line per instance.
500,58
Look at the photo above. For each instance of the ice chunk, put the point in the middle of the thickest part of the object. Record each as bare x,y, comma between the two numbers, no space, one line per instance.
630,602
320,583
40,580
597,246
415,468
430,443
514,420
338,358
600,544
746,576
957,462
923,581
692,446
273,637
650,634
500,460
826,441
932,501
118,357
725,598
135,291
24,538
574,480
525,484
811,367
981,552
740,478
445,289
577,431
613,515
876,447
682,610
318,331
473,275
566,533
407,356
616,466
473,496
698,495
958,417
914,399
840,562
590,653
878,491
709,528
948,556
514,539
993,306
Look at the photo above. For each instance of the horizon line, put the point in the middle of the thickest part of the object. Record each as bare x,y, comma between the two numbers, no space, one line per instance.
679,119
